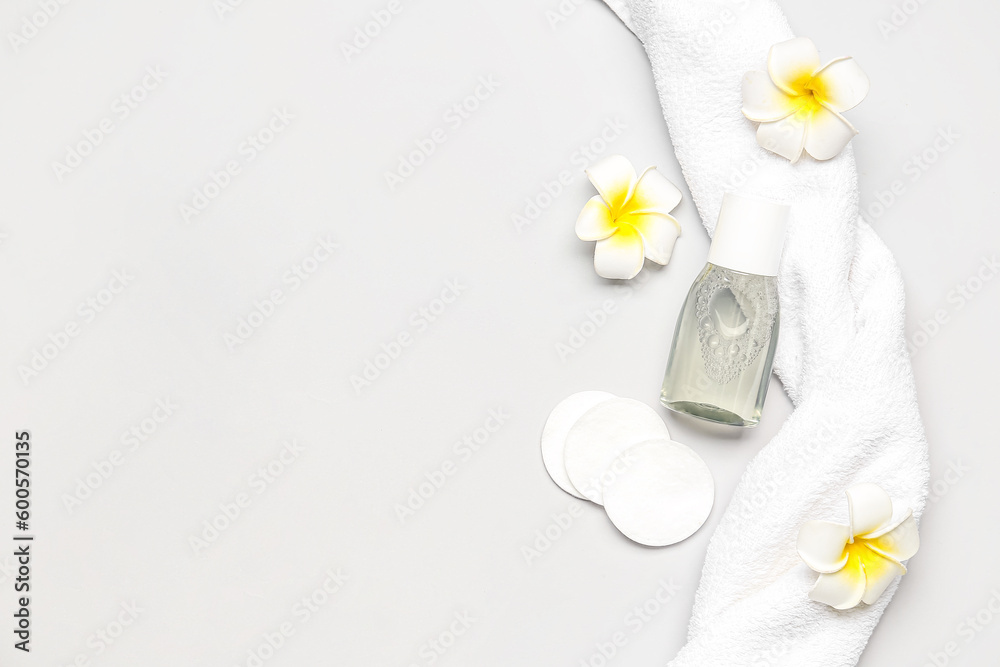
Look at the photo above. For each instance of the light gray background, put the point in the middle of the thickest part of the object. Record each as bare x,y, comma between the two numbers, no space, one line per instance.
493,348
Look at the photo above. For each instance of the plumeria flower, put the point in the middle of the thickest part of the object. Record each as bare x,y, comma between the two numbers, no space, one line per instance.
630,219
799,104
857,562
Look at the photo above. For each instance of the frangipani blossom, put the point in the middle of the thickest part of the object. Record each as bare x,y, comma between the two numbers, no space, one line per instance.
857,562
630,219
799,104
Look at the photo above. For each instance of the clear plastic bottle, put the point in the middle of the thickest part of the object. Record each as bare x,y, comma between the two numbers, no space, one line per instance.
723,346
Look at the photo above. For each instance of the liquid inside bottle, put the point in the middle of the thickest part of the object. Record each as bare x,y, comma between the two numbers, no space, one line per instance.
723,347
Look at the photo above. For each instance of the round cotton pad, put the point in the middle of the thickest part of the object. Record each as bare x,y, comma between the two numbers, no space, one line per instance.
662,495
600,435
560,420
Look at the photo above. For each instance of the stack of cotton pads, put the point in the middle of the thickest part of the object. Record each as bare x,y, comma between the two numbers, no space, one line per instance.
616,452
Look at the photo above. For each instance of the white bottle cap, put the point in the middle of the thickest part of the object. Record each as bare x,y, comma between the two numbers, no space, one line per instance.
749,235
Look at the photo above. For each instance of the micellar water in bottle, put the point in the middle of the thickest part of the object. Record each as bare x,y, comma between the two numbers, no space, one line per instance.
723,346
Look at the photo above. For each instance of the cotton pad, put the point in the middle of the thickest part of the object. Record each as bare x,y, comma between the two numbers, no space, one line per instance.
600,435
557,426
662,494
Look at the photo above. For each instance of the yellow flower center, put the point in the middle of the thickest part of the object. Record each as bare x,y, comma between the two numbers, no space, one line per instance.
863,560
809,94
809,91
857,549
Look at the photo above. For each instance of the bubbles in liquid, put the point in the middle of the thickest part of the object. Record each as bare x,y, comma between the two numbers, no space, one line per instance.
722,347
735,313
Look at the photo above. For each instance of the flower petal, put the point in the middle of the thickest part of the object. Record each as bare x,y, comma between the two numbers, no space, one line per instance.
898,541
792,63
762,100
822,545
786,137
595,221
653,192
828,134
841,84
613,177
842,589
659,232
870,508
879,573
620,255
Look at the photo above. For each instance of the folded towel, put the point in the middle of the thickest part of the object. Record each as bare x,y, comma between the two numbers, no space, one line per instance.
841,354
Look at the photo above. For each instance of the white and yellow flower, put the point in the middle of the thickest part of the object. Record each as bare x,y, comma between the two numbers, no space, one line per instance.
799,104
630,219
857,562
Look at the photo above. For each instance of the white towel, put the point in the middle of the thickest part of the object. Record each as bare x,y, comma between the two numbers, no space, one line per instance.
841,353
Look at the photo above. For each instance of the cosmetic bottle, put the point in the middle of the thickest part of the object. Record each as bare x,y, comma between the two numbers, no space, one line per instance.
723,346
